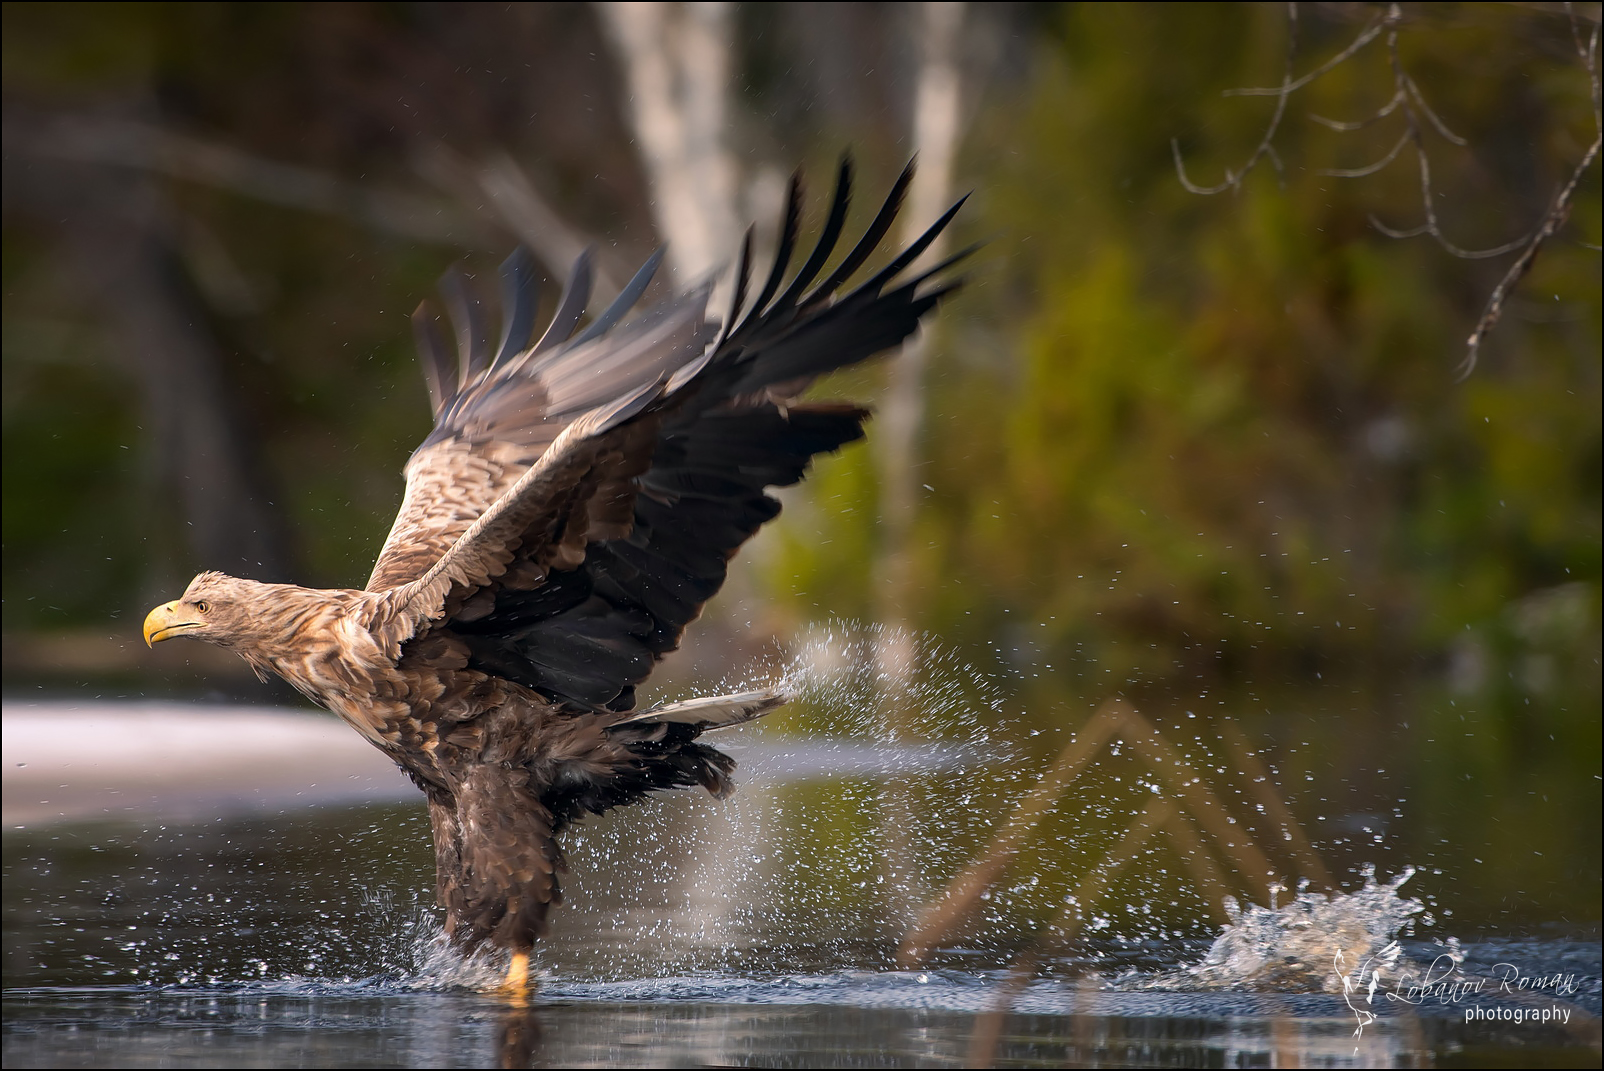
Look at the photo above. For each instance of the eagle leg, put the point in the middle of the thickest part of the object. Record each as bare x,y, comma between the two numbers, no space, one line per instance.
516,986
498,861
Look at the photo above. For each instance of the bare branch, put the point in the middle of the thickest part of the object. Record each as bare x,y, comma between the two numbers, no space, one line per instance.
1337,124
1557,215
1408,99
1589,58
1391,232
1233,179
1408,83
1367,35
1361,172
1412,96
1428,203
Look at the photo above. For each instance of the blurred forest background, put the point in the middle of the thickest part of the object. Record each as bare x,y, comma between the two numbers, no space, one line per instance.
1215,453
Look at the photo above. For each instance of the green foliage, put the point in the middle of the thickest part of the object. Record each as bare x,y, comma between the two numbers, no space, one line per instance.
1232,427
1218,443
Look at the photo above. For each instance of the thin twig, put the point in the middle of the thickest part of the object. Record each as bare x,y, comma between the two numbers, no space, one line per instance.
1359,124
1367,35
1558,213
1233,179
1415,135
1288,86
1408,83
1589,57
1371,169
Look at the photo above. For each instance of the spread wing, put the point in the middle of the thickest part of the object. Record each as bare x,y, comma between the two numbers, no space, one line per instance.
496,413
592,557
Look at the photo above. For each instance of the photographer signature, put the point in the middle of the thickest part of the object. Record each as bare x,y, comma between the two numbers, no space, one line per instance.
1442,983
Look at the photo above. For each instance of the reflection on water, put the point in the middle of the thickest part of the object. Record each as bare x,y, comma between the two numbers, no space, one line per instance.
851,1020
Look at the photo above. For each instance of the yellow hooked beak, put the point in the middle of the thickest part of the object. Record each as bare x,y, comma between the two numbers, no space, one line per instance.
165,622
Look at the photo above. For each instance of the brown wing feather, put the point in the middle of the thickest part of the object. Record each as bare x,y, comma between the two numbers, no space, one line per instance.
488,434
589,565
543,521
450,484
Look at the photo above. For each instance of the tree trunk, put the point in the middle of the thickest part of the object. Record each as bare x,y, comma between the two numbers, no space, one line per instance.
677,64
936,118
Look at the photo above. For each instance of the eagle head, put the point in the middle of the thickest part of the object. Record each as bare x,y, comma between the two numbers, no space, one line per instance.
217,608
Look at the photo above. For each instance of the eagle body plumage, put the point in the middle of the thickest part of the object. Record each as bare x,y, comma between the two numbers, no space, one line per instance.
575,506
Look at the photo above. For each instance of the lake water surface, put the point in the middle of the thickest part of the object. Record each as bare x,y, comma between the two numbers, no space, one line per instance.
218,922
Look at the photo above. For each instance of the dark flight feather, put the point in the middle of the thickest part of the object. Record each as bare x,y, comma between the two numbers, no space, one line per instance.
828,237
438,372
519,294
467,317
570,307
625,301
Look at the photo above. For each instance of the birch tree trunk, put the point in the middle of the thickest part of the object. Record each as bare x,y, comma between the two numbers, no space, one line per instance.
677,61
937,114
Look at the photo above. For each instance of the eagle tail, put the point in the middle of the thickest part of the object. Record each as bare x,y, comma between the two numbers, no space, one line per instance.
710,712
663,739
657,749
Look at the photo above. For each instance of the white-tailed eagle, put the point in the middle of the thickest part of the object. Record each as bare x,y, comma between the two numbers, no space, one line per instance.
577,503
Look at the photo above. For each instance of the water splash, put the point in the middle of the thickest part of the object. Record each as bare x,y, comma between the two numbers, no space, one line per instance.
1336,943
854,805
886,780
437,965
891,685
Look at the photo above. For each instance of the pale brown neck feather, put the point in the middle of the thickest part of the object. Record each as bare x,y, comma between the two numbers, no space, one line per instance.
309,637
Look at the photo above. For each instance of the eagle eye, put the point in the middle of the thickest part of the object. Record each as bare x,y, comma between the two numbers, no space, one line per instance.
203,606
